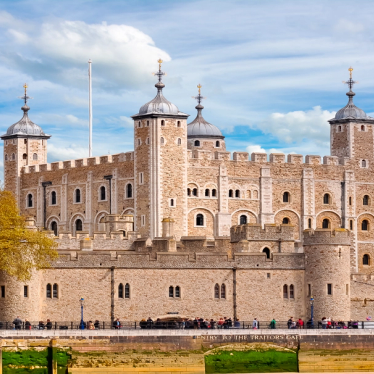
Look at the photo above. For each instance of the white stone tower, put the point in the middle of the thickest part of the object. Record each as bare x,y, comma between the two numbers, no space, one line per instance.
25,143
160,165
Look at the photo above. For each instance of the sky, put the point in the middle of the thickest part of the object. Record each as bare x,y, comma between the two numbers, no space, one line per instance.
272,72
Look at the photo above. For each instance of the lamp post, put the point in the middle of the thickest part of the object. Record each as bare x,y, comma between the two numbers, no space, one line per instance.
81,326
311,312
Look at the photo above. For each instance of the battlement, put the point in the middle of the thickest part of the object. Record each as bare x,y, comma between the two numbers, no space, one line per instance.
261,157
253,231
70,164
327,237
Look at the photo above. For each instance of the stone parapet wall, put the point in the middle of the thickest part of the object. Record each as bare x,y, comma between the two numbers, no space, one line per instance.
252,231
327,237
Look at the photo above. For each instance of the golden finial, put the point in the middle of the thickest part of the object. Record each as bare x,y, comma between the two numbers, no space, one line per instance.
25,87
350,71
199,87
159,63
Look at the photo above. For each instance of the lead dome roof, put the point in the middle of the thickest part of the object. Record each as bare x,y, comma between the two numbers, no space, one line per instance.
199,127
25,127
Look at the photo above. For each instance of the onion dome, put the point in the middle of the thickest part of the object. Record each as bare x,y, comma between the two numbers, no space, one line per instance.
199,127
351,111
25,127
159,105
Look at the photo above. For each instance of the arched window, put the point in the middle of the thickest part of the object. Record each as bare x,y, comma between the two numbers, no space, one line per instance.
197,143
362,128
24,156
231,193
179,123
6,157
309,223
217,143
13,156
214,192
207,192
350,200
243,219
177,291
340,128
363,163
188,191
285,221
216,291
286,197
366,260
171,291
179,141
267,251
162,123
199,220
365,200
326,198
365,225
171,202
129,190
147,123
255,194
29,200
49,291
139,124
120,291
325,224
54,228
127,291
249,194
292,292
102,193
162,140
35,156
285,291
53,198
237,193
223,291
194,192
55,291
78,225
77,195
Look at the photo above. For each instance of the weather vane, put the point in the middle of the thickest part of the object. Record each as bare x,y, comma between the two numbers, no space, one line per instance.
159,73
199,98
350,82
25,97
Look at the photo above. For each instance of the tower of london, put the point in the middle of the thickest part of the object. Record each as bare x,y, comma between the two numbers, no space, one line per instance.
182,225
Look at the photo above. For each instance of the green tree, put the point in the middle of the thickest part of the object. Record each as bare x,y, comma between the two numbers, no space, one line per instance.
22,249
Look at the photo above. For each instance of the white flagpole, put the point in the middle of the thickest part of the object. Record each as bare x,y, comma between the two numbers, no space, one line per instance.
89,109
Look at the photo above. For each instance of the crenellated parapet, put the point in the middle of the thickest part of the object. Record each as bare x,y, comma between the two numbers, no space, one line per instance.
327,237
71,164
254,231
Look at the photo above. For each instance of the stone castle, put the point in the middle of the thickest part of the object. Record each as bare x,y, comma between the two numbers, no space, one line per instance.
180,226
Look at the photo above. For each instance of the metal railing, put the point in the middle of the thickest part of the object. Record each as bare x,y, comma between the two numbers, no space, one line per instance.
190,324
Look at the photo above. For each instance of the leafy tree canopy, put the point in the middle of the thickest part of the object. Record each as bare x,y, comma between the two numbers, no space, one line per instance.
22,249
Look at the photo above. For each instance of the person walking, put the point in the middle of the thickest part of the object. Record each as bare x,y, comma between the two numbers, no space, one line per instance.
17,323
289,323
273,323
49,324
324,322
27,324
300,323
255,324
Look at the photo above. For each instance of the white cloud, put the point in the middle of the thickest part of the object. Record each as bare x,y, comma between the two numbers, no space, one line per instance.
71,152
348,27
254,148
294,127
122,55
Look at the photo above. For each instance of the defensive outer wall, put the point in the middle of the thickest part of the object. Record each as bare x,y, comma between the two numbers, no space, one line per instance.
186,351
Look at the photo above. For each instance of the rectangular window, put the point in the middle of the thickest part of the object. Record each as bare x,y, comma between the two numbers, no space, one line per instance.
329,288
350,201
347,289
25,291
143,220
2,291
268,275
141,178
309,290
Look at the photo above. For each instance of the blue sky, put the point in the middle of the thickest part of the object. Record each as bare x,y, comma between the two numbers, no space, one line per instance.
272,71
